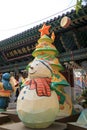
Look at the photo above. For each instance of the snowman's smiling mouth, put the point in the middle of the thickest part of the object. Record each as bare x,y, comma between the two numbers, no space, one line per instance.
33,72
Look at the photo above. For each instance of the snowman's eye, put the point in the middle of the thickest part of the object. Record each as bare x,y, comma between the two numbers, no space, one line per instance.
24,92
22,98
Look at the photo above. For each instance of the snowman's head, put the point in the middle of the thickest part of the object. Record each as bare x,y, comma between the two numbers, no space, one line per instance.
39,68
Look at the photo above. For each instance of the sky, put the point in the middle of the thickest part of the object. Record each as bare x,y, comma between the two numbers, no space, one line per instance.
17,16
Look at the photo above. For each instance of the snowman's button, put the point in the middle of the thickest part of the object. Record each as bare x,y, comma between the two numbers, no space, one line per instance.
24,92
27,87
22,98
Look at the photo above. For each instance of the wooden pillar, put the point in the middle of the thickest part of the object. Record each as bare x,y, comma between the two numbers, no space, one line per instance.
68,74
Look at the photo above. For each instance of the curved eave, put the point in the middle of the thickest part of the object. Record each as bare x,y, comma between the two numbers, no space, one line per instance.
32,34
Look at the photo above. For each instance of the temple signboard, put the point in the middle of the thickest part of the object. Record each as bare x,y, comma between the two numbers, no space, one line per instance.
18,52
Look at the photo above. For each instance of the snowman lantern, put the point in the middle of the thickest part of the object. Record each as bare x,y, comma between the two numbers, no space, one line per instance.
37,106
38,101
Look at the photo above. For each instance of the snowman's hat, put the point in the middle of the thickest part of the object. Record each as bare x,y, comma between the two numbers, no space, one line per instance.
45,50
59,80
45,46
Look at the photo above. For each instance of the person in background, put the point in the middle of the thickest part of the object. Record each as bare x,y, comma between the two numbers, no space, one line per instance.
0,76
21,79
18,89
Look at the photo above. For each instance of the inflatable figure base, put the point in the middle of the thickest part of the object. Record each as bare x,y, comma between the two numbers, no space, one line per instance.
38,125
39,112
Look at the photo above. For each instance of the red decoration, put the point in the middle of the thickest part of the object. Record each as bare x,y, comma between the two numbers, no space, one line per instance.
42,86
44,30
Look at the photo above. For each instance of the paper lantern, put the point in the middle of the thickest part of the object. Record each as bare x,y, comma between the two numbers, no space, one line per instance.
65,22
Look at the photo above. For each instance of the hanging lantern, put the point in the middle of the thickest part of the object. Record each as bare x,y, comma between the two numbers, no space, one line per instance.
65,22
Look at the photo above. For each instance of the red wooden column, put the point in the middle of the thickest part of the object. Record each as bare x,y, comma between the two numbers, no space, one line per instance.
68,74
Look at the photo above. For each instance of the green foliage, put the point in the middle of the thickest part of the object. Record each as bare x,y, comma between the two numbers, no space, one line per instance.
78,5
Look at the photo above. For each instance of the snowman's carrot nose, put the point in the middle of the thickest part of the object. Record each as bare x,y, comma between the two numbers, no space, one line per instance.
29,67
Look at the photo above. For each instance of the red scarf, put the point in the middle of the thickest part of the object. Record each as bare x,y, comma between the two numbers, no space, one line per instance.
42,86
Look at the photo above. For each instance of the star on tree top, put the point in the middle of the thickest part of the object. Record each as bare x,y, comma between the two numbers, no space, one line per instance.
44,30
